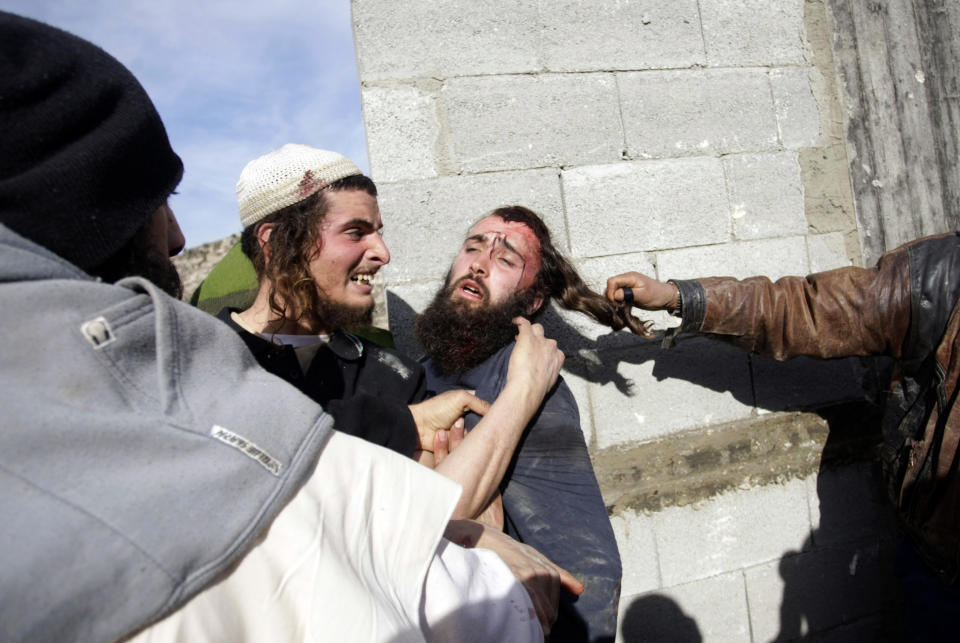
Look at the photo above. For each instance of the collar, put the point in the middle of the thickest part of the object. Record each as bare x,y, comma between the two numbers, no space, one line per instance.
344,345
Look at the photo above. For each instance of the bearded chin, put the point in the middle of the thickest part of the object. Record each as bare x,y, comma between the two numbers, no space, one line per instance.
334,316
458,337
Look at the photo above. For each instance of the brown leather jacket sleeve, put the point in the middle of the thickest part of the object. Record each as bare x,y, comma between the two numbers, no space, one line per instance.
843,312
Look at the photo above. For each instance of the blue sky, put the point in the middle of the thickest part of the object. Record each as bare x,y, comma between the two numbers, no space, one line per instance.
231,80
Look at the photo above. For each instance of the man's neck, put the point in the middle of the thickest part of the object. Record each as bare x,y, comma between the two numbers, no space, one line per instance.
265,321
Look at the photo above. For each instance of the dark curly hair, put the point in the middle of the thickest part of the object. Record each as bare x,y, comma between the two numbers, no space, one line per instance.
558,279
293,242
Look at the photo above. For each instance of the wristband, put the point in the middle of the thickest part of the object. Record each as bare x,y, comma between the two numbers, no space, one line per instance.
678,311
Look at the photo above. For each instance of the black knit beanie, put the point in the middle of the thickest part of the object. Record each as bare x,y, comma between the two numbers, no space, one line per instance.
84,157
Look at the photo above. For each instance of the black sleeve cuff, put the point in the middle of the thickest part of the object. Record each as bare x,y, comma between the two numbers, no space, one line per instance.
694,303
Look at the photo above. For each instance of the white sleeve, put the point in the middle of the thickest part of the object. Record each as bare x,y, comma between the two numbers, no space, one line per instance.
346,560
471,595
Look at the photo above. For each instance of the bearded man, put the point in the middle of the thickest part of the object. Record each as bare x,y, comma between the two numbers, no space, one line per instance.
509,268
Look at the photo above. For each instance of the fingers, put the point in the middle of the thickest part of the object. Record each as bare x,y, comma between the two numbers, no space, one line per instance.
457,433
569,582
522,324
470,402
526,328
615,284
441,447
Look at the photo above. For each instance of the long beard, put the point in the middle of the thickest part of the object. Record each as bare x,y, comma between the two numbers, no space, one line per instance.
458,337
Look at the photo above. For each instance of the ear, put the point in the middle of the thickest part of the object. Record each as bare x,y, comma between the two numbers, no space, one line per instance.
263,233
263,238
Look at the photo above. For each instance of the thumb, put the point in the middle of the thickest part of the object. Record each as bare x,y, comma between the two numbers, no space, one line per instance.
569,582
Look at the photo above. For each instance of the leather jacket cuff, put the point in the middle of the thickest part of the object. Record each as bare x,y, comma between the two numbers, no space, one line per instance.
694,303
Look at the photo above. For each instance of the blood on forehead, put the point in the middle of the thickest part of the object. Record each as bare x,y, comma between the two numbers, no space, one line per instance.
521,238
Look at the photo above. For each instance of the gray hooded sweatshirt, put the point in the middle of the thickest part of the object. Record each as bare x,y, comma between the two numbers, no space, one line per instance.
142,450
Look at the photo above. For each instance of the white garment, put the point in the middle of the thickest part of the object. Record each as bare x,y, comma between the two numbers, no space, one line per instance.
348,560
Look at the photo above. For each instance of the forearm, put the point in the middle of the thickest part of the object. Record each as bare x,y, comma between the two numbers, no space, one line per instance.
480,462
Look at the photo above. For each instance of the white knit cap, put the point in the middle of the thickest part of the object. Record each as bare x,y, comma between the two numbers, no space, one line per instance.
286,176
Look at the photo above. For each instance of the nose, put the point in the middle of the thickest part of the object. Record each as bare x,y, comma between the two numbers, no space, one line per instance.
480,263
175,238
378,250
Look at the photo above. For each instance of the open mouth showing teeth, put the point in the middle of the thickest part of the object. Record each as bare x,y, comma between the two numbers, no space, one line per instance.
362,279
472,290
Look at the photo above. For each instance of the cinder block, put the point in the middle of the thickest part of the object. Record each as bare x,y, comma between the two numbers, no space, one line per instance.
827,251
644,34
595,271
806,594
753,32
402,132
645,392
731,531
429,39
766,195
516,122
645,205
798,115
404,303
772,257
425,221
806,383
697,112
638,552
712,610
849,505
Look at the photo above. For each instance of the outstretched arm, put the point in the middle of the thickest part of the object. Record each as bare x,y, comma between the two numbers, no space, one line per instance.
839,313
481,461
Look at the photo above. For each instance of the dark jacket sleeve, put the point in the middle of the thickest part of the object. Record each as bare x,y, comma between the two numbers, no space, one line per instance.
384,421
376,406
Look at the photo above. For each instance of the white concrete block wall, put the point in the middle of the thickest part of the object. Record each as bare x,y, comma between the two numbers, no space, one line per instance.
658,204
666,137
698,112
525,121
644,34
749,565
752,32
446,38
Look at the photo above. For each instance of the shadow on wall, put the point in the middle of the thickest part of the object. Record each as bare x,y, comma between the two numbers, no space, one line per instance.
654,618
841,585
